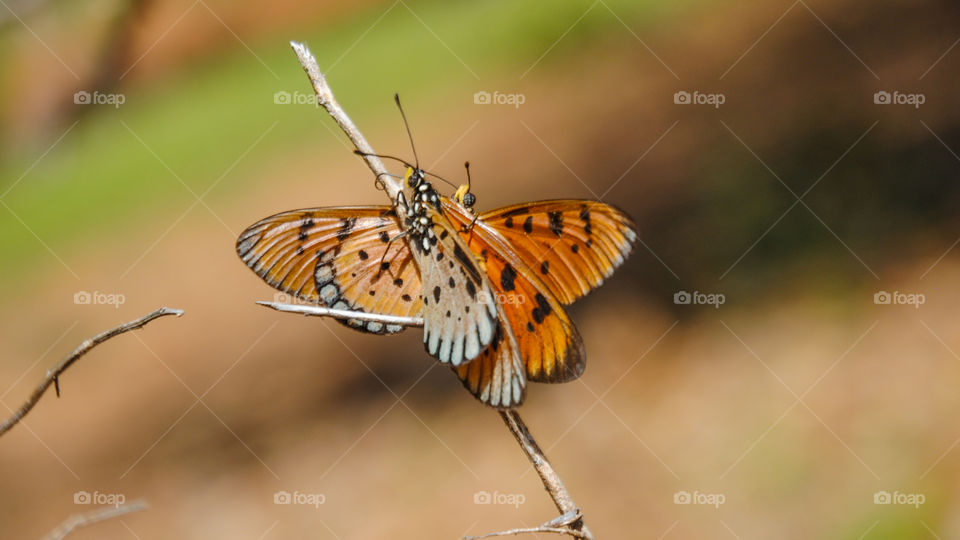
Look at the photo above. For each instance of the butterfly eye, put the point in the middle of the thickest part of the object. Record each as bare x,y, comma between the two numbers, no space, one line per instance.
469,199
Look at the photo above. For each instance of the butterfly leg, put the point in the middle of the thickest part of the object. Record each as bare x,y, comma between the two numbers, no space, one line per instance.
390,242
378,182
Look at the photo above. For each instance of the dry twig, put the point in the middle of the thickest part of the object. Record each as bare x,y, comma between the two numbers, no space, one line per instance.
94,516
53,375
320,311
549,477
559,525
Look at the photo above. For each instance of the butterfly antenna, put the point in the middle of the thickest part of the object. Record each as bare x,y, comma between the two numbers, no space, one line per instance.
405,162
437,176
382,156
466,165
396,97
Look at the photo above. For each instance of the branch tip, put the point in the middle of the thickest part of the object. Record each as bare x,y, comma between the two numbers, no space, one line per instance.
52,376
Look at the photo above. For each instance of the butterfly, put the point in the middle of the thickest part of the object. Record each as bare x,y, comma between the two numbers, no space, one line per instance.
490,287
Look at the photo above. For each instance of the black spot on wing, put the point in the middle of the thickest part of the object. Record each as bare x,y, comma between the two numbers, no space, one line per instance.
545,267
406,298
507,278
384,237
452,282
363,255
436,294
585,218
468,263
528,225
346,227
556,223
472,291
542,310
508,222
305,227
575,248
517,211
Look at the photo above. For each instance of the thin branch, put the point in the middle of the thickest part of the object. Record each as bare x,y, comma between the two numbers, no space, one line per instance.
551,480
94,516
320,311
53,375
549,477
558,525
326,100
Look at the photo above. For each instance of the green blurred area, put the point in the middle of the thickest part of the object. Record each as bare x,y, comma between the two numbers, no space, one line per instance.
118,165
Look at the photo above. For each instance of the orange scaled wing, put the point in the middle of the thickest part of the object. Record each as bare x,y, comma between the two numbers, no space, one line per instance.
549,343
344,258
572,245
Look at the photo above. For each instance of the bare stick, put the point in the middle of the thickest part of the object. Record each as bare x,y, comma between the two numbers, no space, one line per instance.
326,100
53,374
94,516
320,311
549,477
559,525
551,480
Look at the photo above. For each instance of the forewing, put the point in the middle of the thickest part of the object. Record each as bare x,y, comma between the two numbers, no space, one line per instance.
572,245
459,308
549,344
344,258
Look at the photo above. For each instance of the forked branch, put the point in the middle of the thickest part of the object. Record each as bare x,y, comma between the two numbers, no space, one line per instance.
571,522
53,374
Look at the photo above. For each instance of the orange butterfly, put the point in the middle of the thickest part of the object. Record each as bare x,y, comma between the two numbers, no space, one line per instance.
490,287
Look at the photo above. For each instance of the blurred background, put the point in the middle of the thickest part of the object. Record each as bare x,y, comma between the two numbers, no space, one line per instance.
777,359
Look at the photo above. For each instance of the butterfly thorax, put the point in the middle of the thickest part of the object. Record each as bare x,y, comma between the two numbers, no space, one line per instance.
418,221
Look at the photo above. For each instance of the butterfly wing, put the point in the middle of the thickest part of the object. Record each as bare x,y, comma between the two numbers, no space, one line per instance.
459,307
497,376
549,344
572,245
343,258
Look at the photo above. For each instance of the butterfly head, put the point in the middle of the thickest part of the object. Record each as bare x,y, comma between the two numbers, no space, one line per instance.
464,197
415,177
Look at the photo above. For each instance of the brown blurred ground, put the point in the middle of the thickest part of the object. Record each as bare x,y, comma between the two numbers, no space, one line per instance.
693,398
